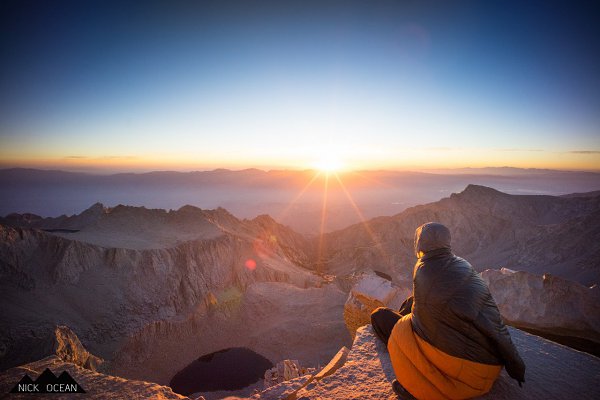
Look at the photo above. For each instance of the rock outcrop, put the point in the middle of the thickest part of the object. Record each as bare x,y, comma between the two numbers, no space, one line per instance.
369,292
546,303
367,373
69,349
284,371
288,389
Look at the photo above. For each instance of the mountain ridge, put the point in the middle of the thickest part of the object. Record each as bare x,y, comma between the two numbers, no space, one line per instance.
293,197
490,228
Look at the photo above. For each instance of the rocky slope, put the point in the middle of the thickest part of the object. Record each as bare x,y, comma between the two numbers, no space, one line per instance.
539,234
276,320
108,294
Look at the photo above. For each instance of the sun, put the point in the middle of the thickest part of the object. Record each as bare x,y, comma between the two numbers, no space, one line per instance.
328,163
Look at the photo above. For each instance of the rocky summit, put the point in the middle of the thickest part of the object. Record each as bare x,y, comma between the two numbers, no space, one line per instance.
554,372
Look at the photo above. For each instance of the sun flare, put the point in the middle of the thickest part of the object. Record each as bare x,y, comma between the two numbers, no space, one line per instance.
329,163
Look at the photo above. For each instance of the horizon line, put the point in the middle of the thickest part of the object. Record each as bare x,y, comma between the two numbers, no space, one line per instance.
438,170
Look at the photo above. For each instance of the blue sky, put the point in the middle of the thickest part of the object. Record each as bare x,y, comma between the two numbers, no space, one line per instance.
390,84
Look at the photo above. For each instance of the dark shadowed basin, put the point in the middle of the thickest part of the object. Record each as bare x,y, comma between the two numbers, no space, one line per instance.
228,369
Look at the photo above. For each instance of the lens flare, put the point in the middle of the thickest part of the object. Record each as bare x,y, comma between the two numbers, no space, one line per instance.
250,264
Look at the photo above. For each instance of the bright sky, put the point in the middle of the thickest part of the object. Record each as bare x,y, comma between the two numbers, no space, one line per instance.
294,84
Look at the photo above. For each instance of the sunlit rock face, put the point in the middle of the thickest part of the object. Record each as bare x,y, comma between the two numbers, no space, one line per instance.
69,349
369,292
284,371
367,373
546,303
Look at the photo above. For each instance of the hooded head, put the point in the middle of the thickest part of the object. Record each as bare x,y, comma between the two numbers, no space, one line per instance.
431,236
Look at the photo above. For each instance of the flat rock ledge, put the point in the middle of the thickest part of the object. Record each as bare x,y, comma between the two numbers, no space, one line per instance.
553,372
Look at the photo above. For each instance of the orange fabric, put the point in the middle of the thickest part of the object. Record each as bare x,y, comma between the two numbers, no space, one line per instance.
430,374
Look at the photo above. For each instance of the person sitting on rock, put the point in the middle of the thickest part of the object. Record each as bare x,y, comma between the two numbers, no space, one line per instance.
448,341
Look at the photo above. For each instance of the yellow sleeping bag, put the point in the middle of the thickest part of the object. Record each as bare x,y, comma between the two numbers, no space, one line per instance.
429,374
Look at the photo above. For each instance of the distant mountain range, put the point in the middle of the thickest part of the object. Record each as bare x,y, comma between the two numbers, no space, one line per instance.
535,233
294,198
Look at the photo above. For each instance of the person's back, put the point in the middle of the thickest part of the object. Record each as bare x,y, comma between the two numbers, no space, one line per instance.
453,343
